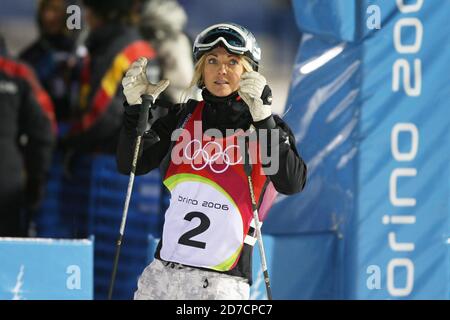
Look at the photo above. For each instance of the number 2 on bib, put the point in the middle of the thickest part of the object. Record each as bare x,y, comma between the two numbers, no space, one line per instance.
186,238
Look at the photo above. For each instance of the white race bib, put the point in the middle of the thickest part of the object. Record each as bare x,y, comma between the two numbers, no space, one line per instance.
203,226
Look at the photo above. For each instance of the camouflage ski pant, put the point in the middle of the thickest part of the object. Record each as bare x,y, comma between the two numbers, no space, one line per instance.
171,281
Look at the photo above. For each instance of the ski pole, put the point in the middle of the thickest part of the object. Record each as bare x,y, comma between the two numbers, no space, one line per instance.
248,171
147,100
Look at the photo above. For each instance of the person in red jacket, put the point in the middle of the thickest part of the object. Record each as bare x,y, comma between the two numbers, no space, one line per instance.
27,134
112,45
207,241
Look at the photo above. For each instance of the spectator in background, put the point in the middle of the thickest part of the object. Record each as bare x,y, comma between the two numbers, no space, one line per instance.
112,44
52,55
162,23
27,133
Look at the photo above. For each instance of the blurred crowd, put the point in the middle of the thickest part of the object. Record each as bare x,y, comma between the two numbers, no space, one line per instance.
62,94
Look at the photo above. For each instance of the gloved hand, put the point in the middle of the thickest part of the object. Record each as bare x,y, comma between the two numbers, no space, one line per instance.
135,83
251,88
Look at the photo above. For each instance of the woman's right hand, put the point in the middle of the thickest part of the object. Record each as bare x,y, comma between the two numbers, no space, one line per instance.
135,83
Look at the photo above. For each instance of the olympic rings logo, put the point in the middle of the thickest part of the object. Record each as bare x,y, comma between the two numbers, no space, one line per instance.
223,155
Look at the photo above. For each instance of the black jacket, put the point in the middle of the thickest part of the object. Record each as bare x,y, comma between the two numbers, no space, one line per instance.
222,113
26,110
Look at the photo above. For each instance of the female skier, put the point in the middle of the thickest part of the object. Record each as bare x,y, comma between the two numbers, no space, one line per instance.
208,235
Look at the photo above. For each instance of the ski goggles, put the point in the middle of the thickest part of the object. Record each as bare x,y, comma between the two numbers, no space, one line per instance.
235,40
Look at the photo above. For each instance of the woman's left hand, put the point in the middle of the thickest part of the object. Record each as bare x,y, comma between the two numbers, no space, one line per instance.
251,88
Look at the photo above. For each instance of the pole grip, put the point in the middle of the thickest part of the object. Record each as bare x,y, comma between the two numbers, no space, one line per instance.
147,101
